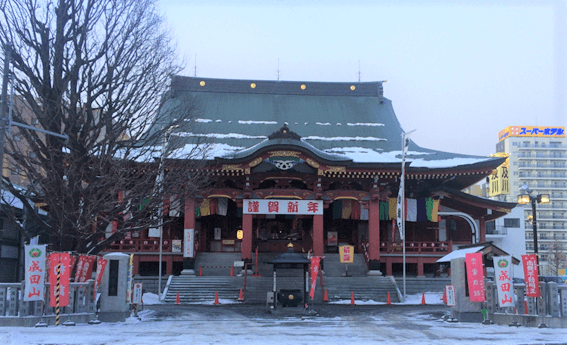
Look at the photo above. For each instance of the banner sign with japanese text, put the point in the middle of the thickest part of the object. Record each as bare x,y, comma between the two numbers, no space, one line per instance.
475,276
59,262
531,275
129,279
188,243
275,206
84,268
346,254
500,180
450,294
35,272
72,263
503,274
137,293
100,266
314,270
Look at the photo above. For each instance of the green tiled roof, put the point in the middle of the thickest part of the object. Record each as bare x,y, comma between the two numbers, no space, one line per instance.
352,120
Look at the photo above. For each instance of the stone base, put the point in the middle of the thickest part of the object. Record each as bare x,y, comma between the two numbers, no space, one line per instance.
31,321
374,273
113,316
188,272
467,316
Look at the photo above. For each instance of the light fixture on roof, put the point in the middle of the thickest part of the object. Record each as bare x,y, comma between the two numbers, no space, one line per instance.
202,83
253,85
303,87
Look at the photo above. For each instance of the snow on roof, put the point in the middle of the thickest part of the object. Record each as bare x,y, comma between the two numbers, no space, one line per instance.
9,199
459,253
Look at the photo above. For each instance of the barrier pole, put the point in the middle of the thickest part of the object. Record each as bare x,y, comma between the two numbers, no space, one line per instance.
57,292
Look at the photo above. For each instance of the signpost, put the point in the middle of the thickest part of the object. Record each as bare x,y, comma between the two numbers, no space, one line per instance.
346,255
450,293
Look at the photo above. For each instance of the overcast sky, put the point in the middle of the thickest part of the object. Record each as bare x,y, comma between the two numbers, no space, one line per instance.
457,72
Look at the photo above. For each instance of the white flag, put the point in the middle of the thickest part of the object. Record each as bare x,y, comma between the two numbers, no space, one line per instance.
503,274
35,272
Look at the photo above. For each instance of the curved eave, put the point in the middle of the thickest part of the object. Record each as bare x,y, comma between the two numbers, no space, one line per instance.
474,205
288,144
489,163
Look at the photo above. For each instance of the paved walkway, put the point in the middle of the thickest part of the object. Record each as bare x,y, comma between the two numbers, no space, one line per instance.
251,325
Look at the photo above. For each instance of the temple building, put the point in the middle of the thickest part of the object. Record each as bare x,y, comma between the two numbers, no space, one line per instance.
317,165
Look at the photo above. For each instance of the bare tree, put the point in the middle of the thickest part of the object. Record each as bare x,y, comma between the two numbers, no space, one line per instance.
97,71
556,258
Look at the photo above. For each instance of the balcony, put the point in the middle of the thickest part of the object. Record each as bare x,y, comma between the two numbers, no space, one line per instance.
441,248
498,230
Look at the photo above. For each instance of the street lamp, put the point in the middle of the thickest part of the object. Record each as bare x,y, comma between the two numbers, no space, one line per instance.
527,197
161,177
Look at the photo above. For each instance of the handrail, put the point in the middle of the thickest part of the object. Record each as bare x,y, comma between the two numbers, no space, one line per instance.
245,276
365,252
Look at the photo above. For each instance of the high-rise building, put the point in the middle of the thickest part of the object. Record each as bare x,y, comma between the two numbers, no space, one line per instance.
537,161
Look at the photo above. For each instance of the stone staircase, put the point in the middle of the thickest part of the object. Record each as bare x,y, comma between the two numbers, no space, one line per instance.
202,289
216,278
217,264
369,288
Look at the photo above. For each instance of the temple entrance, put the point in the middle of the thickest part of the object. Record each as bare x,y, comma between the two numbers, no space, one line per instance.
345,225
272,233
217,225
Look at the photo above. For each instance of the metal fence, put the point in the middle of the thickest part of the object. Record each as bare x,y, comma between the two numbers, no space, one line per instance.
550,307
12,303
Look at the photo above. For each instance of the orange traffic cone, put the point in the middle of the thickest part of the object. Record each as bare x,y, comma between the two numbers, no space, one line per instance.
444,298
177,299
423,298
325,296
352,298
240,296
388,301
200,271
232,271
216,298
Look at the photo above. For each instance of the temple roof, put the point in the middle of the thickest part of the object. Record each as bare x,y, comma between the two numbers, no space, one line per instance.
336,121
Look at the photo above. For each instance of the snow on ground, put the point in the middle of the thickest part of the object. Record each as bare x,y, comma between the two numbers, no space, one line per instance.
430,298
224,326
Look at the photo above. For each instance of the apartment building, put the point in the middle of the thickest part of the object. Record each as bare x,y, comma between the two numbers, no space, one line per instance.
538,161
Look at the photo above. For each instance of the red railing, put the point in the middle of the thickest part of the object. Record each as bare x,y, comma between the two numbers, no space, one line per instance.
364,246
141,245
428,247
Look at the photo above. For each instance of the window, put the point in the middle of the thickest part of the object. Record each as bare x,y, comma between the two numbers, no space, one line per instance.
511,222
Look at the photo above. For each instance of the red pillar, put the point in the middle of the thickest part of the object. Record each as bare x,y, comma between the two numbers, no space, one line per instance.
318,240
188,223
136,265
374,234
389,267
247,237
420,267
482,230
169,264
